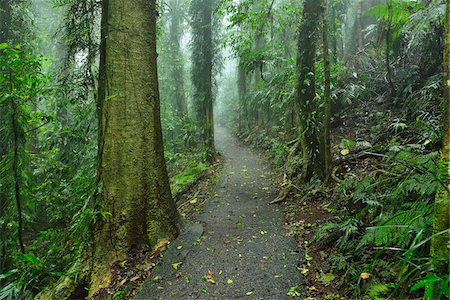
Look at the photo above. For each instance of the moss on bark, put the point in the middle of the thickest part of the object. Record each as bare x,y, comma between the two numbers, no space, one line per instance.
440,243
135,187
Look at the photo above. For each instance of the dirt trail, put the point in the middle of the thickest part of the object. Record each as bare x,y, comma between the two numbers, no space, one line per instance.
241,242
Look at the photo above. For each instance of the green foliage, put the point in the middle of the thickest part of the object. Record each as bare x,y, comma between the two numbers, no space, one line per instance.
430,282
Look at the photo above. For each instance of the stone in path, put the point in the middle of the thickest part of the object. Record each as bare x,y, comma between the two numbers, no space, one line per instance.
240,249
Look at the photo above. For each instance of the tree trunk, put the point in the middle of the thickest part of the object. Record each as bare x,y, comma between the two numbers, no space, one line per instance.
177,59
327,95
135,203
16,175
305,105
202,56
388,48
439,243
243,109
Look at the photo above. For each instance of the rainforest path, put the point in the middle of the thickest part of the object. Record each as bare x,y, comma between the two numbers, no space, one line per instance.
239,248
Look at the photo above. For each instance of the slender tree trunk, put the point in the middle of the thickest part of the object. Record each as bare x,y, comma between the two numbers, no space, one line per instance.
359,26
177,60
327,96
305,104
202,70
439,243
15,161
136,202
335,34
388,48
243,109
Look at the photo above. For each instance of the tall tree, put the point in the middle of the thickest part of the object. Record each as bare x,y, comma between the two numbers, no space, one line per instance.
202,68
242,90
136,198
439,242
305,103
327,95
177,70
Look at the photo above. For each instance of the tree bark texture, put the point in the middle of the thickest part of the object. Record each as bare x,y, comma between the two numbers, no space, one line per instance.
136,200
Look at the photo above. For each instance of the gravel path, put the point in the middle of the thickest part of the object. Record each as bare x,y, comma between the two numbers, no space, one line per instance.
240,248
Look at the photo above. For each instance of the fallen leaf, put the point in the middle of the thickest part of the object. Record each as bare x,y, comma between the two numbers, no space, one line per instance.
326,279
176,265
179,275
229,281
249,293
312,288
365,275
345,152
210,277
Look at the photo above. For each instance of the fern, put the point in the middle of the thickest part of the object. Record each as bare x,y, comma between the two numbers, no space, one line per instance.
399,229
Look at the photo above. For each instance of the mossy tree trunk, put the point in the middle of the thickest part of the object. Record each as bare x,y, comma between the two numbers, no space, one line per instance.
136,200
440,243
202,68
305,103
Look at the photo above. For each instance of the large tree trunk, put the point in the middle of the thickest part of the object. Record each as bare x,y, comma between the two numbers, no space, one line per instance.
139,209
439,243
305,105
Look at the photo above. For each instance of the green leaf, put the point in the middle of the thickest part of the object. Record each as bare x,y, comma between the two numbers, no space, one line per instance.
430,279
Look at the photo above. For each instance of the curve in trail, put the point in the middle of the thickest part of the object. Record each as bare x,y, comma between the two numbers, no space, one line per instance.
242,250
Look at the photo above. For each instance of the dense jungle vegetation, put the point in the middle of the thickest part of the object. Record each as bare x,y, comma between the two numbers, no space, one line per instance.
109,113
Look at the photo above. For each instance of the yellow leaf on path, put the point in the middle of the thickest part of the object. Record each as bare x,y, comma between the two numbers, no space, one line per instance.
249,293
176,265
345,152
229,281
312,288
210,277
365,275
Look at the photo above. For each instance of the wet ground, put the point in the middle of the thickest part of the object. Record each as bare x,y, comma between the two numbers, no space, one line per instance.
239,248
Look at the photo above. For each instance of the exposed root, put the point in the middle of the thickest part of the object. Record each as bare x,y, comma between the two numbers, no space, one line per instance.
334,176
67,285
284,193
